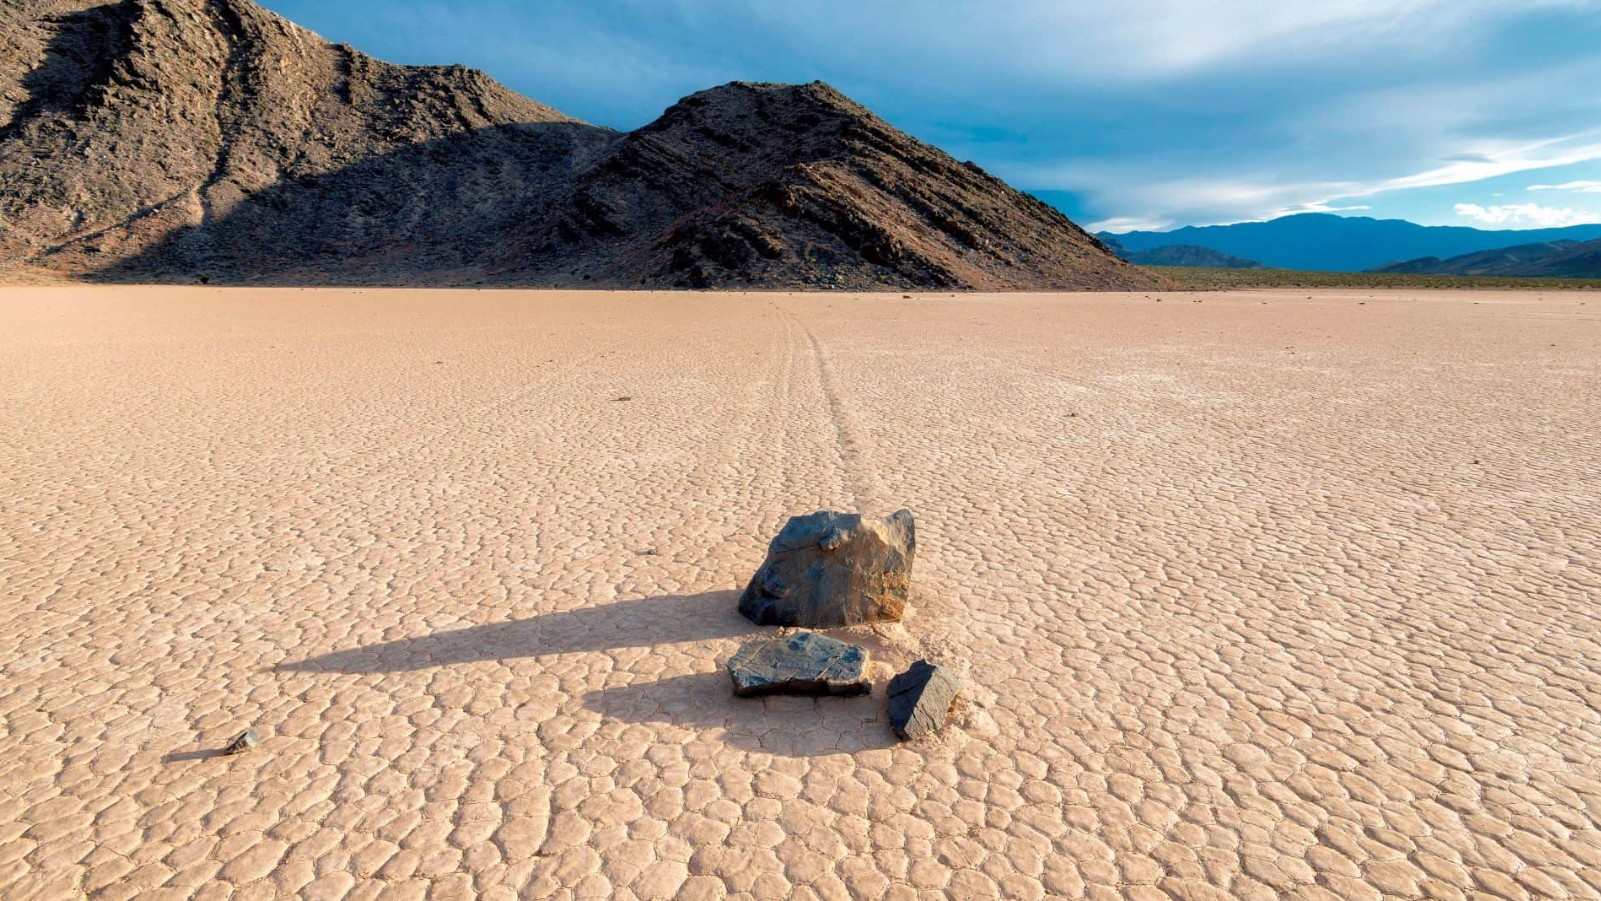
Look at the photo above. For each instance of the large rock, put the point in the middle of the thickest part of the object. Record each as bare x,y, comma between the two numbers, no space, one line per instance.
920,699
801,664
829,569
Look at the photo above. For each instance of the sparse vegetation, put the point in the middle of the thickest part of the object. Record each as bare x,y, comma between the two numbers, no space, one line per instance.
1197,279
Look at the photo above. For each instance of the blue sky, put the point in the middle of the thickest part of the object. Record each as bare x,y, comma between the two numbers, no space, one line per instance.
1133,114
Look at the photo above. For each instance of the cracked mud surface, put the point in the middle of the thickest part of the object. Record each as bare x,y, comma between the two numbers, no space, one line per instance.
1259,596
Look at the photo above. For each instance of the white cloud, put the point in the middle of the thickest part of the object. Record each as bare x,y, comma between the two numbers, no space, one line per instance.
1497,161
1269,195
1579,187
1525,215
1319,207
1118,225
1459,128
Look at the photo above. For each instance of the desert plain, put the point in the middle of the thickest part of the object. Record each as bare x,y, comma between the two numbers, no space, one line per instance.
1256,594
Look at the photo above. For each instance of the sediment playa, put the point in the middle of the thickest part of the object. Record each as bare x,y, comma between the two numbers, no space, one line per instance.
1256,594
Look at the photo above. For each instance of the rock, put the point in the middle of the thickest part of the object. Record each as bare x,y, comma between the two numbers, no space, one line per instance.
245,742
801,664
920,699
829,569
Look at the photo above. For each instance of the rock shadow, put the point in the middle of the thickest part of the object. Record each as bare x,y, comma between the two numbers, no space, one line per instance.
667,619
704,701
80,54
775,724
480,206
201,754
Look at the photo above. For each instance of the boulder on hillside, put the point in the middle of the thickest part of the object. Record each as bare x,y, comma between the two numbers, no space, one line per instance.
920,699
829,569
801,664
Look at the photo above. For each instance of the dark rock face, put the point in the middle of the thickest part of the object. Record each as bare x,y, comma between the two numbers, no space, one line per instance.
168,140
920,699
828,569
801,664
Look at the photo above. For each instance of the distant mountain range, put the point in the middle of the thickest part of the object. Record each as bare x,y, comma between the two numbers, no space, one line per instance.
1328,243
1555,259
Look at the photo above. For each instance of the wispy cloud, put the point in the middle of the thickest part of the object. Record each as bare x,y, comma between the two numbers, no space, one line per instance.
1130,40
1120,224
1525,215
1579,187
1499,161
1223,200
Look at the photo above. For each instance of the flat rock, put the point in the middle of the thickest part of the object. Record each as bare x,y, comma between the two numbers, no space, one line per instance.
920,699
828,569
801,664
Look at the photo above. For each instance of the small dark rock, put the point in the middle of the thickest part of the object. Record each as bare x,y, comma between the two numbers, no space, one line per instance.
621,399
829,569
920,699
801,664
247,741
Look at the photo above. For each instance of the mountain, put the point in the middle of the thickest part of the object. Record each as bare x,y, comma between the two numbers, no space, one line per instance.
129,121
1486,262
1324,242
778,184
1189,255
181,139
1555,259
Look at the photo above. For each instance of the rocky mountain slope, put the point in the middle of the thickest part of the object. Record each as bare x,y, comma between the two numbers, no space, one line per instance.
185,139
1553,259
134,121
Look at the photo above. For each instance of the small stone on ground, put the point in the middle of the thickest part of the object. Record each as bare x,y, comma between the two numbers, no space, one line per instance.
245,742
920,699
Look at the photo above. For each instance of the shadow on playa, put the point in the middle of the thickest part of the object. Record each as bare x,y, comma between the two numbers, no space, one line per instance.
668,619
702,701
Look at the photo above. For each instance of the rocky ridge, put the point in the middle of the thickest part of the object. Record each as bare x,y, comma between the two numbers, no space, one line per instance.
1552,259
174,140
